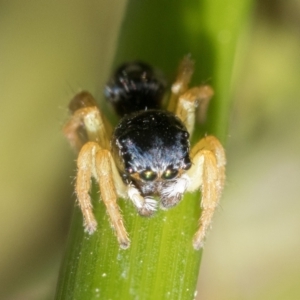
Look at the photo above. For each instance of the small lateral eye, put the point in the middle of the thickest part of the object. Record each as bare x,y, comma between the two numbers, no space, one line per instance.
170,174
148,175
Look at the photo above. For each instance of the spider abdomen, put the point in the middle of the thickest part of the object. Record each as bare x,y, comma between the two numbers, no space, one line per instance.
135,86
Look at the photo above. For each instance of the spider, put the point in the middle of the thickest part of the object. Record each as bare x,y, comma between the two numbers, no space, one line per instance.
147,157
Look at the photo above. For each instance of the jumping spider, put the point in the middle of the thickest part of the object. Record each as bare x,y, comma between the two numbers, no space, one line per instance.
148,153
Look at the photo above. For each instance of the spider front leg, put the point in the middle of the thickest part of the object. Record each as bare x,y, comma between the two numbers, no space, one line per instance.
94,161
208,174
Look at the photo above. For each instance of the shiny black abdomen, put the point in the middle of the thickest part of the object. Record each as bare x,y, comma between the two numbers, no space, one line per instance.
135,86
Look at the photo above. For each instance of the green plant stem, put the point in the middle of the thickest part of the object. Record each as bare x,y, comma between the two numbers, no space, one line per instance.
161,262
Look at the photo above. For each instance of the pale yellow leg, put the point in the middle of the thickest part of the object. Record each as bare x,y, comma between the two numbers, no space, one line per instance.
208,173
86,115
184,74
189,101
83,185
109,196
93,161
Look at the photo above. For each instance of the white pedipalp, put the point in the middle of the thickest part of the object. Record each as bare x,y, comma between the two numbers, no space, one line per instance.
139,201
176,188
150,204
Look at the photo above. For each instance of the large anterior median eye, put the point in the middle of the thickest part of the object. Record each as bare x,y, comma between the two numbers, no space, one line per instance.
170,174
148,175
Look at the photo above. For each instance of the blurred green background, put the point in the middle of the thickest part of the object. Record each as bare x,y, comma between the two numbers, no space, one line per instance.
49,51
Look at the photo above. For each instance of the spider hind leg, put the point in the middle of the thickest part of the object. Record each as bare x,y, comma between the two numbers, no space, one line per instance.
95,160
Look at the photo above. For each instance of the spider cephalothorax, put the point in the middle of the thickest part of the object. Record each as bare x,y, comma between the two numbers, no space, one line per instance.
147,157
151,150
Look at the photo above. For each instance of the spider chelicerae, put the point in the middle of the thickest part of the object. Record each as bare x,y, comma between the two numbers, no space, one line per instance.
147,157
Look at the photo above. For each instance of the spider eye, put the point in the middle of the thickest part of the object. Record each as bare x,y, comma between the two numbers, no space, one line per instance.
170,174
148,175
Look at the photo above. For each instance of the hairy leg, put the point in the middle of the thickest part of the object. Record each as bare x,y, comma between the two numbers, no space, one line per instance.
208,174
94,161
86,122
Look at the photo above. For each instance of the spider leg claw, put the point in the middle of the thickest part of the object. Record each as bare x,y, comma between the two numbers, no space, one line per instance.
90,227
